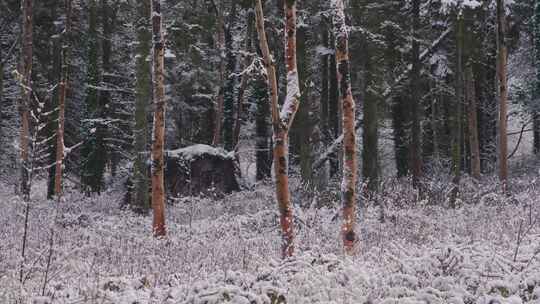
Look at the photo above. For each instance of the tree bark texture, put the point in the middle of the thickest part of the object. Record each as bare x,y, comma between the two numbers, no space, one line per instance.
281,121
158,132
62,102
350,161
502,77
26,94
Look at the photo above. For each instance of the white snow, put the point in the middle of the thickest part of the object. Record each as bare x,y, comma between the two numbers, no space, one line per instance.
228,251
191,152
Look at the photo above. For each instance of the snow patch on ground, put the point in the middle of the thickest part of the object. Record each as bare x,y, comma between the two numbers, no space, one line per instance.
227,251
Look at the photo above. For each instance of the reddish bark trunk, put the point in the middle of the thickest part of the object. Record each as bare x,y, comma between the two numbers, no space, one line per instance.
350,161
158,140
282,121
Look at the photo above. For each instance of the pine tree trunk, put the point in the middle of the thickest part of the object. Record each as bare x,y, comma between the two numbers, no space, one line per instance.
244,82
414,146
54,78
282,121
536,133
62,93
302,128
93,152
324,104
222,77
158,140
400,119
262,126
228,94
536,106
142,102
1,79
1,96
333,112
370,159
503,92
473,123
26,94
107,26
457,117
350,162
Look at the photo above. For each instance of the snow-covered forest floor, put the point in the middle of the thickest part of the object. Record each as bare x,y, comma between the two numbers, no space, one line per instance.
227,250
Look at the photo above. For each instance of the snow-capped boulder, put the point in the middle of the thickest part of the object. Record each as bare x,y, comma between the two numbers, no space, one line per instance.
201,169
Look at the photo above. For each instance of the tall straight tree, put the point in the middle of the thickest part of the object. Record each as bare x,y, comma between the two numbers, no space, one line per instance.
94,156
62,101
222,72
472,114
457,116
502,77
262,126
263,138
142,101
230,83
1,89
350,161
26,94
536,102
282,121
414,146
107,26
158,132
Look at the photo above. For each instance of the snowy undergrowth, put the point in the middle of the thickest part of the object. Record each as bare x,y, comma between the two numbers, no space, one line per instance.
227,251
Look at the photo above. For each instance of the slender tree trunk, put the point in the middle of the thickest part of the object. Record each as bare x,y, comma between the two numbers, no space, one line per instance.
93,152
414,148
1,93
229,92
536,105
325,134
54,78
503,92
26,94
400,117
260,98
240,110
473,123
243,83
350,161
536,132
325,59
282,121
158,140
457,116
62,93
142,101
107,26
263,142
333,112
222,77
370,159
302,129
1,98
